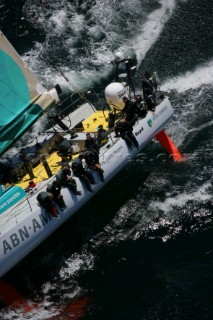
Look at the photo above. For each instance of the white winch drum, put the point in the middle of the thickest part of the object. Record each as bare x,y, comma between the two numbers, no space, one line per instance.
114,94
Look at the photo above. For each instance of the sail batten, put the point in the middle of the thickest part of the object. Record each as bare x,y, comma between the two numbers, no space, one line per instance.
22,98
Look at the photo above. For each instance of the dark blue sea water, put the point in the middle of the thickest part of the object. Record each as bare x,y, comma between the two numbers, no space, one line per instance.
142,249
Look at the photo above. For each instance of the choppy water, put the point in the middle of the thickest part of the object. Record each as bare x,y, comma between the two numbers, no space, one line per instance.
142,248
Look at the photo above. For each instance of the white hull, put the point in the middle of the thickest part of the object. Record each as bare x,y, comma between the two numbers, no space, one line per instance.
26,225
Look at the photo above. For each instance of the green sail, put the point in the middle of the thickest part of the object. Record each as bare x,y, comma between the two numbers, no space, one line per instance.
22,99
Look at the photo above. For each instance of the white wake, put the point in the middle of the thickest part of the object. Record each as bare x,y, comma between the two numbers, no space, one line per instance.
202,75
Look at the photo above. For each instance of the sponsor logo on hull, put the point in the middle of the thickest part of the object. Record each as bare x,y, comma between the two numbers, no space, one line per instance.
23,233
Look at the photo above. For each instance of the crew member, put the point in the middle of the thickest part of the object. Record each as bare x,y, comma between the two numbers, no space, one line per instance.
45,199
101,135
55,189
92,160
65,150
65,179
111,120
149,87
83,174
140,107
91,143
124,128
129,110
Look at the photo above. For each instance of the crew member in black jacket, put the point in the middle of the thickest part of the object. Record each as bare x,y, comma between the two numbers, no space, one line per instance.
65,179
83,174
124,128
129,110
91,143
55,189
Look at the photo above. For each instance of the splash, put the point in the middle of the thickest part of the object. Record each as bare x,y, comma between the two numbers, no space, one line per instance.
152,28
21,308
77,262
180,201
85,36
12,298
73,310
202,76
